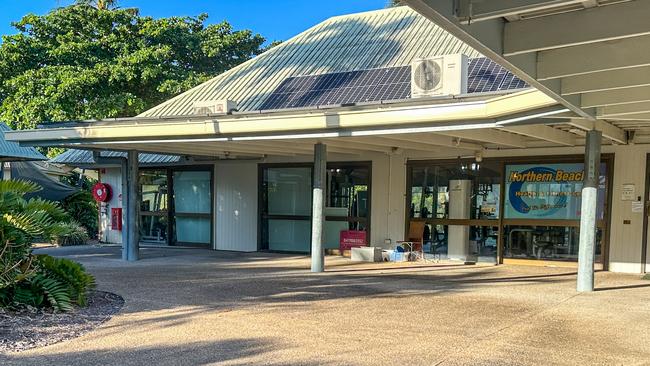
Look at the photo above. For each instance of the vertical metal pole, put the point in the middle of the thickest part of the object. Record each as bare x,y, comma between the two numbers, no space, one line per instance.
588,211
318,208
133,206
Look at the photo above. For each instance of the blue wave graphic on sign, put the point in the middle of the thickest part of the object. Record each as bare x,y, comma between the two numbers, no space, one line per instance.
521,206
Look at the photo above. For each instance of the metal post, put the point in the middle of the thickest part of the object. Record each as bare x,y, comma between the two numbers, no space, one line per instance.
588,211
318,208
132,246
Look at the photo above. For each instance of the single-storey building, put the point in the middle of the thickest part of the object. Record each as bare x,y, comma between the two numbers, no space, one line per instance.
379,122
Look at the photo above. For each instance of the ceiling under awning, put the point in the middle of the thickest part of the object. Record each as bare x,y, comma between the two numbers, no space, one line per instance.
592,56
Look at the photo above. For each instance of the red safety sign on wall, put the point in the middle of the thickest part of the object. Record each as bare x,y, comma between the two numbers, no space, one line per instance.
116,218
352,239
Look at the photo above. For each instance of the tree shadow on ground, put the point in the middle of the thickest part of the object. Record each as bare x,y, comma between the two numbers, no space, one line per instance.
245,351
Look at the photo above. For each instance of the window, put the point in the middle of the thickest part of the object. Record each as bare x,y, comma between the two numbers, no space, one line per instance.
286,204
537,214
459,202
153,206
176,206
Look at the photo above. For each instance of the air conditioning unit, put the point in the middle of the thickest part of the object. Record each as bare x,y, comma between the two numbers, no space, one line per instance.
439,76
205,107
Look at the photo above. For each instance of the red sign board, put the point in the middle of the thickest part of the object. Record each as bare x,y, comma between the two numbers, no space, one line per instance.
352,239
116,218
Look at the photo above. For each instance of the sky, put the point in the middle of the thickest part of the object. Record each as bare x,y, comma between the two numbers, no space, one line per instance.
273,19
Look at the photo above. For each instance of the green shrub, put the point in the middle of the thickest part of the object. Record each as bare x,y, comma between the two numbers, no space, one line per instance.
70,233
41,280
82,208
41,290
20,221
72,274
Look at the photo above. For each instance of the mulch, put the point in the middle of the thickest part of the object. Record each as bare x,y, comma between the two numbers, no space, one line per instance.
29,327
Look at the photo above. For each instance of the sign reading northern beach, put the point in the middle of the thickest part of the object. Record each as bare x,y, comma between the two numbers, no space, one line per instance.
547,191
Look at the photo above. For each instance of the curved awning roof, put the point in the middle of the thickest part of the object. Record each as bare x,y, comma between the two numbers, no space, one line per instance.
468,123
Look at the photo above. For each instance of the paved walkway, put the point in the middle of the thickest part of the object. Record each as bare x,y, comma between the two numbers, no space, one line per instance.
188,307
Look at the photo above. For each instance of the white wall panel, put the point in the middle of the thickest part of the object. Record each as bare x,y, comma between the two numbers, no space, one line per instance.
113,177
626,239
236,206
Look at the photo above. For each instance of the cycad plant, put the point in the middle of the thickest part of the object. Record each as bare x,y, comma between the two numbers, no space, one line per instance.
27,279
21,220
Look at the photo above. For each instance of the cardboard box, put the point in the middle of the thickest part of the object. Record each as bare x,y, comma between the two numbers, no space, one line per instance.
366,254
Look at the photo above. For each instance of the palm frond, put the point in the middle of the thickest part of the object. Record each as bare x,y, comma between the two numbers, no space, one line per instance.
32,223
19,186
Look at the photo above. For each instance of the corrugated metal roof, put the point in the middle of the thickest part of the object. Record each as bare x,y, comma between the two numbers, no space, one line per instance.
76,157
12,151
382,38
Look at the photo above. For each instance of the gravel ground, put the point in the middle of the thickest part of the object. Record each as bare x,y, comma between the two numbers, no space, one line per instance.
30,328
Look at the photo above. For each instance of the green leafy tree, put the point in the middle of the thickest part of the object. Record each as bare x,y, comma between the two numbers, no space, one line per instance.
95,60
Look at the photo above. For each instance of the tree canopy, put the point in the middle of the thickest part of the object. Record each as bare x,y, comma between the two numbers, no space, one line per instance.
86,62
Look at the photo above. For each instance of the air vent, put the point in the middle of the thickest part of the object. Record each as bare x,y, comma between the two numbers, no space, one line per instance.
213,107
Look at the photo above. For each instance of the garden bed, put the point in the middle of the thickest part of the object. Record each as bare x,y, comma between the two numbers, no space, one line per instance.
30,328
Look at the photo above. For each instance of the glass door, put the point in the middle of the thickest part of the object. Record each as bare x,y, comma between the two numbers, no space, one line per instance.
154,207
192,203
347,205
286,209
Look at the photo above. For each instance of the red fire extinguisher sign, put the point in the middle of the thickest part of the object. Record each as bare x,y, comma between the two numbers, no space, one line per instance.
116,218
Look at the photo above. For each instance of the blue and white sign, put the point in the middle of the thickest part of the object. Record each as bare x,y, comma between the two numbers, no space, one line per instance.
548,191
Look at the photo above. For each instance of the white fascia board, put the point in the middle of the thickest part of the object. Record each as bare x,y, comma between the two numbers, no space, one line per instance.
598,24
592,58
325,123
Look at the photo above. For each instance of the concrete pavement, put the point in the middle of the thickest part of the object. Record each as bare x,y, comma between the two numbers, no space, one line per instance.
199,307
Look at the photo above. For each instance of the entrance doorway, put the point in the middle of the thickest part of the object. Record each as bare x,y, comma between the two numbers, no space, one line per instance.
176,206
286,204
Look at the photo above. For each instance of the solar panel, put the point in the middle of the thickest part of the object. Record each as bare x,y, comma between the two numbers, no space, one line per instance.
373,85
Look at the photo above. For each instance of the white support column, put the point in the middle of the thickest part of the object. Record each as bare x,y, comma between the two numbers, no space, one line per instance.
588,212
6,170
131,248
318,208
